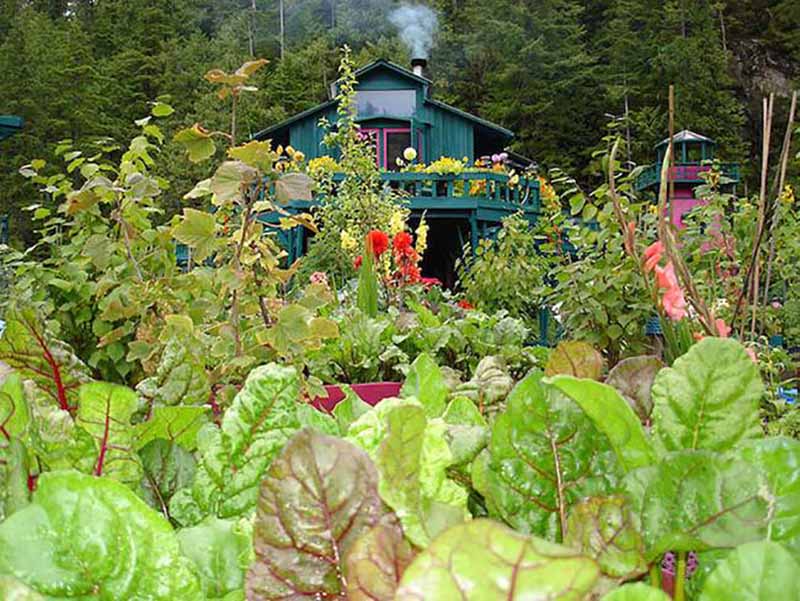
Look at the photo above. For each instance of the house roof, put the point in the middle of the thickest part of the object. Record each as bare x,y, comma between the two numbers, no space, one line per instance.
686,136
403,72
9,125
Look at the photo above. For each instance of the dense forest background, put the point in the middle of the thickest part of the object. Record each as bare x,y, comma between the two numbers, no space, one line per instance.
555,71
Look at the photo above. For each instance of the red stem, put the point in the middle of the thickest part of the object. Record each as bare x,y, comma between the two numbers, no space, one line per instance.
98,470
61,391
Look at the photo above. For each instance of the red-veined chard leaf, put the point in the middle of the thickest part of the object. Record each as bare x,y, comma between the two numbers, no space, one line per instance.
708,399
757,571
234,457
175,424
105,412
779,460
482,560
633,378
180,378
604,528
697,500
14,412
545,455
636,591
612,416
319,496
27,346
376,563
220,551
85,537
14,471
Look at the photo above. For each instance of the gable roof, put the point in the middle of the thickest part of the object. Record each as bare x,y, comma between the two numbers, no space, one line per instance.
686,136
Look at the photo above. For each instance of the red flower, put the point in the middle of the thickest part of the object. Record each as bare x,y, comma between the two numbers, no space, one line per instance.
402,242
465,304
378,241
357,263
431,282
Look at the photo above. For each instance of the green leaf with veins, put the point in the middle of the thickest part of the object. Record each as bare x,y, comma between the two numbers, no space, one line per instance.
14,470
757,571
779,460
612,416
167,468
319,496
234,457
424,381
633,378
229,180
14,412
175,424
198,231
180,378
708,399
197,141
84,537
12,589
545,455
637,591
105,412
697,500
220,551
483,560
604,528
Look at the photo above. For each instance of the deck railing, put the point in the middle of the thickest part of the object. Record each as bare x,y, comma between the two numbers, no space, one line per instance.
466,190
687,173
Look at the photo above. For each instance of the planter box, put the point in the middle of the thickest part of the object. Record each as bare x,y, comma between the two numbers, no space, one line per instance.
371,393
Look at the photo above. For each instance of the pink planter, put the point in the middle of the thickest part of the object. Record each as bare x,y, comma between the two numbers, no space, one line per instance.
371,393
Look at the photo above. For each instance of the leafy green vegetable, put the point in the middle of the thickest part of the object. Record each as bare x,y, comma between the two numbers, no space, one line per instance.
708,399
490,383
637,591
425,382
12,589
575,358
462,411
757,571
319,496
14,412
349,409
483,560
105,412
175,424
604,528
613,417
233,457
779,460
697,500
84,537
14,469
545,456
376,563
220,551
180,378
167,468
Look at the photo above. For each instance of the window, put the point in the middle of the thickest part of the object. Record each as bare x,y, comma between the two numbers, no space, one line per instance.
395,141
400,103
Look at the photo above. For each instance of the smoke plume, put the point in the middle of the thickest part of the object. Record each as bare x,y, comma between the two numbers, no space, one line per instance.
416,25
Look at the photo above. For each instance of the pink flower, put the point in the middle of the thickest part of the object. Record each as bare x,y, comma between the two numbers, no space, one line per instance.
752,354
665,277
319,277
431,282
723,329
674,303
652,255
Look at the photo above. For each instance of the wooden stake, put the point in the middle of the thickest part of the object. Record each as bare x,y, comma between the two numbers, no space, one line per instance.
671,173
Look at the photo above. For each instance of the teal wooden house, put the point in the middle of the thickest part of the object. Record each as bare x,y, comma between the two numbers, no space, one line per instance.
396,109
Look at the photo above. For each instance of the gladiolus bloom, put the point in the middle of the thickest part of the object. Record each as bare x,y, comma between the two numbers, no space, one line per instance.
378,241
357,263
652,255
723,329
674,304
465,304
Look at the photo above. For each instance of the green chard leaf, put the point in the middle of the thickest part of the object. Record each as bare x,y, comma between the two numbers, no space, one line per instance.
612,416
14,412
84,537
376,563
697,500
637,591
545,456
14,470
575,358
425,382
604,528
319,496
220,551
633,378
28,347
234,457
12,589
179,425
483,560
105,412
167,468
779,460
757,571
708,399
180,378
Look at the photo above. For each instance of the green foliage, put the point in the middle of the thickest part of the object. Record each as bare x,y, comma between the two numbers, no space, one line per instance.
483,559
83,536
376,563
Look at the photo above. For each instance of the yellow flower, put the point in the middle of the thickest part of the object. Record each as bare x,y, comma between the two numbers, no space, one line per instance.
422,237
347,241
299,157
787,195
289,151
397,223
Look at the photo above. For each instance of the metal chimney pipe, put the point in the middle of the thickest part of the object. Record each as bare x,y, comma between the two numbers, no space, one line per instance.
418,66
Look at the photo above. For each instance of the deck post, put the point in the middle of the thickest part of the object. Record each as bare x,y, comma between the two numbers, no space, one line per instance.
473,231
